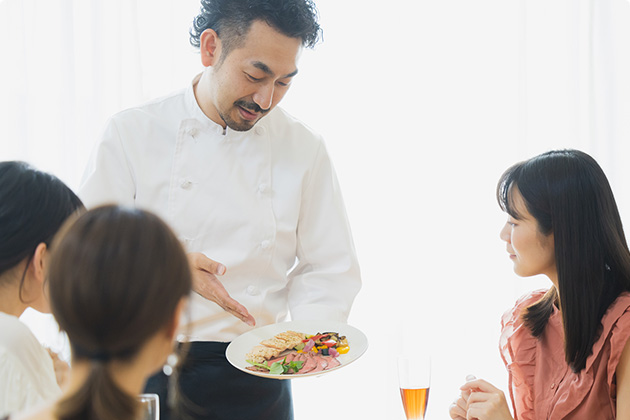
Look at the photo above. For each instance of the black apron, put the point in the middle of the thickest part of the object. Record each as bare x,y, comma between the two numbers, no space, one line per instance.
212,388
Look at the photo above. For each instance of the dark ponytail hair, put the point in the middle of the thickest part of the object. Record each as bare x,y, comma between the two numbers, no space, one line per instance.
116,276
568,194
33,206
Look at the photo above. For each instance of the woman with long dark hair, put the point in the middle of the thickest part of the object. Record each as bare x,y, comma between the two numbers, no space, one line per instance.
33,206
565,348
119,279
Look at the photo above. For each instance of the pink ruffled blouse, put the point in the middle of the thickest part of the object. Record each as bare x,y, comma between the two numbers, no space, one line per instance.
542,385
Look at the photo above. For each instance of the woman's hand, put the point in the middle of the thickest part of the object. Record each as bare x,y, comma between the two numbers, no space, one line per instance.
486,402
459,407
62,369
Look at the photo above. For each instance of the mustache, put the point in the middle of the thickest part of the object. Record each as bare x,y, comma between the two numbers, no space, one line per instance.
250,106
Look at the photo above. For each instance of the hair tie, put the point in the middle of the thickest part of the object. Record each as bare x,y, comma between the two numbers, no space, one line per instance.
103,357
96,356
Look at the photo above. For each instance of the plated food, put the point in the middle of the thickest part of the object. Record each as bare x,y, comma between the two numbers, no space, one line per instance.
292,352
238,351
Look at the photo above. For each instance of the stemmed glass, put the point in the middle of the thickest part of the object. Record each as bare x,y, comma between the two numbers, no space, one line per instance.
150,406
414,379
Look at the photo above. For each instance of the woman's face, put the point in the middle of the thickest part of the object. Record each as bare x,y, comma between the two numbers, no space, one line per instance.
531,251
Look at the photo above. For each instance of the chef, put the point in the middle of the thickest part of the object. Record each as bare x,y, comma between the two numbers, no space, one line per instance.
250,191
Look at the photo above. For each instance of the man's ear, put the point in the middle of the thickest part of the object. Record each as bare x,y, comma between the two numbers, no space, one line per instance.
209,47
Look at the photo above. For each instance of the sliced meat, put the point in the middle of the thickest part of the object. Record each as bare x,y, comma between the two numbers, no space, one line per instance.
333,362
272,361
321,364
257,369
310,363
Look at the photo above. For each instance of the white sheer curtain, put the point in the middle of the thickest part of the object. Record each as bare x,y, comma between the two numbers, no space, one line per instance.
422,104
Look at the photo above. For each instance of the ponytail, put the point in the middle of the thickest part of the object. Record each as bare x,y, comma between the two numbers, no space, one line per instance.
99,398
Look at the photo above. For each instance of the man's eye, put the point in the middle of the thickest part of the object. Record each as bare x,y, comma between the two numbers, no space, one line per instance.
252,78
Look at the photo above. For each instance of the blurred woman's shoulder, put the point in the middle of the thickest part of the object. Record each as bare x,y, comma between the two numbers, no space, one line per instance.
43,412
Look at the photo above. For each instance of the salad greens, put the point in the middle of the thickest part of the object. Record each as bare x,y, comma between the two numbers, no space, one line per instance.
279,368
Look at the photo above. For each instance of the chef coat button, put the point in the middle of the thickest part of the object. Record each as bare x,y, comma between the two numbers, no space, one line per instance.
186,185
262,187
260,130
252,290
193,132
265,244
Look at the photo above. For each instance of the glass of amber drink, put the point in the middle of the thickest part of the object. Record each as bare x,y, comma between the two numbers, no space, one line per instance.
414,379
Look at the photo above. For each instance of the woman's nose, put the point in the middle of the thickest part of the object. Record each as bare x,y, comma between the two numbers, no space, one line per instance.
505,232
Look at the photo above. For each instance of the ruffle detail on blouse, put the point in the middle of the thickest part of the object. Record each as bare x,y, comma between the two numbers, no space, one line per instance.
614,333
616,324
518,350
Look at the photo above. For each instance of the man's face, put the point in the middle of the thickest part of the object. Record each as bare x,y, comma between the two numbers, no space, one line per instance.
253,77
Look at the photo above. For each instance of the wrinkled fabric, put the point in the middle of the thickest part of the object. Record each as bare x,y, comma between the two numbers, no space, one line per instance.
27,376
542,385
265,203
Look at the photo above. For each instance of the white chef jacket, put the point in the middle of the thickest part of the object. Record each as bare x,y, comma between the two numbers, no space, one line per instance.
265,203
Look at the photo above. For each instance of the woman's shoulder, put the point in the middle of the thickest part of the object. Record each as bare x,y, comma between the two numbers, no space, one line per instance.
17,338
14,330
513,315
43,412
616,326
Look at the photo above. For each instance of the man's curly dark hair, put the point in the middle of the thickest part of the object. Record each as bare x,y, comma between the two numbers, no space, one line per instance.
231,20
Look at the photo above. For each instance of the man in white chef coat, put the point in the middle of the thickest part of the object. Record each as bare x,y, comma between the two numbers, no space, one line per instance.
250,191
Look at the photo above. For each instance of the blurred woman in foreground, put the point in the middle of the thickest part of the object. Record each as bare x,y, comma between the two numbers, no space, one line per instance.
33,206
119,279
566,349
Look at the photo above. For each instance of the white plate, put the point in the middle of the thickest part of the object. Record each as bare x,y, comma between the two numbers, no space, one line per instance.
243,344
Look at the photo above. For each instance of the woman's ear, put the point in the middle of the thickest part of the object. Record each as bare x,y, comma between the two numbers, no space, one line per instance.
35,290
209,47
40,258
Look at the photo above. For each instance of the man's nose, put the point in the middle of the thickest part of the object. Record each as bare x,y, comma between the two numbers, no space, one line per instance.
264,96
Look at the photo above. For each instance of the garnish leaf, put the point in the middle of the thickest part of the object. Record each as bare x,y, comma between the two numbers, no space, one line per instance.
277,368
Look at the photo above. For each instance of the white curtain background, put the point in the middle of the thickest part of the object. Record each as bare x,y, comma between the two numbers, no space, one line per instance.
422,104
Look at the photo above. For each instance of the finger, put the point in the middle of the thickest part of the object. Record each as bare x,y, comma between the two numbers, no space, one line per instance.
478,397
201,262
490,401
479,384
456,412
232,306
208,286
495,407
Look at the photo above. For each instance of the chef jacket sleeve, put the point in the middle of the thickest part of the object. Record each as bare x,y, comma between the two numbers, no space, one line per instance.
326,278
108,177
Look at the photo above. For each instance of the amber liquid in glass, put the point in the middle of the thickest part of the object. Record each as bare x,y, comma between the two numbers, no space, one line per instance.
415,402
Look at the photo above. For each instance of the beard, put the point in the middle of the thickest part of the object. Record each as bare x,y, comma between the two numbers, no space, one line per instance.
243,124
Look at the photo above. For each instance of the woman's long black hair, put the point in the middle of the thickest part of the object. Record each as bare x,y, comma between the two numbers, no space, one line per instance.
568,194
33,206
